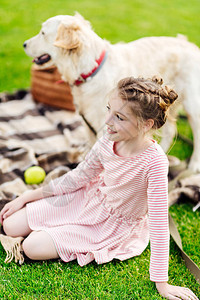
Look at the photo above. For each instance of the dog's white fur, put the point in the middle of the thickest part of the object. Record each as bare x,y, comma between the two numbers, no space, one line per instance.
74,47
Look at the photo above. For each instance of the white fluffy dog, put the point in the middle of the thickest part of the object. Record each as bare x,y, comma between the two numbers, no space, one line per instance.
92,66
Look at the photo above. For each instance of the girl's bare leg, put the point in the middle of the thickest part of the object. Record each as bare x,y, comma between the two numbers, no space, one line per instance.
39,246
17,224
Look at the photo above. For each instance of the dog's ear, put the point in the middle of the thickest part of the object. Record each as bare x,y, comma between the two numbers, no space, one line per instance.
84,21
67,36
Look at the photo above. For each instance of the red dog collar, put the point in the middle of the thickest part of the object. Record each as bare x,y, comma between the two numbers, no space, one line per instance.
100,62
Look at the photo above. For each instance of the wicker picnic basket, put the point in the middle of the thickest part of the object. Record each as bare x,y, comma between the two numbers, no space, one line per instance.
45,88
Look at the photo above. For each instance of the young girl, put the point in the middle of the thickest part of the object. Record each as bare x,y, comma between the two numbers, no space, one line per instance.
116,199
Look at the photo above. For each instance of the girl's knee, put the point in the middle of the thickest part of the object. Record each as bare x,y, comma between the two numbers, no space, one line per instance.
8,227
30,249
17,224
39,246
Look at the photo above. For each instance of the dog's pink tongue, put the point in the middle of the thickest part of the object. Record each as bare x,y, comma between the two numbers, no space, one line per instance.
41,59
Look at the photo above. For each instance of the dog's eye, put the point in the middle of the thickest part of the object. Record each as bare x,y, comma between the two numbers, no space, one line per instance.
42,32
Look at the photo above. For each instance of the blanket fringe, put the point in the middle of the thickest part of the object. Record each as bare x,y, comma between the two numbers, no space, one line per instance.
13,248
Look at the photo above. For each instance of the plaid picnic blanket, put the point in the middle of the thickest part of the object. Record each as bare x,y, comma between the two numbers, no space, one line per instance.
35,134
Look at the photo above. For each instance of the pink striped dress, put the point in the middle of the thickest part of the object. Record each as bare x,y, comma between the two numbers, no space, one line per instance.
109,207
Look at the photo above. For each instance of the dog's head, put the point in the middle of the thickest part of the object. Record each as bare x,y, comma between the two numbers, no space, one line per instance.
59,34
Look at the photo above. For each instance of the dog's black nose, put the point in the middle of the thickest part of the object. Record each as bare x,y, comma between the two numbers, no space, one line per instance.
24,45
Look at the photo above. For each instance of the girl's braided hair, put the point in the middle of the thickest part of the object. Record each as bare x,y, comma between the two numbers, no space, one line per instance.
151,100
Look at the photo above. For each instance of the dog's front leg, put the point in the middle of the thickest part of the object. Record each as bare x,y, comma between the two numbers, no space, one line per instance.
168,133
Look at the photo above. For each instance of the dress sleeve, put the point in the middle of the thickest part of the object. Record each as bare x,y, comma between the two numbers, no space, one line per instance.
87,170
158,218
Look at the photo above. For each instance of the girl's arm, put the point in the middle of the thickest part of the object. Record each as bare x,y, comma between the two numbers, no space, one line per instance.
87,170
157,193
159,231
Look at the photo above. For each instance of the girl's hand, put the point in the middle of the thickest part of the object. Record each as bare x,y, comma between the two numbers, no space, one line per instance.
12,207
175,292
18,203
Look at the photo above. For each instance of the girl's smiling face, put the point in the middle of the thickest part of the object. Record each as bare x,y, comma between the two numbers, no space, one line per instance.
122,124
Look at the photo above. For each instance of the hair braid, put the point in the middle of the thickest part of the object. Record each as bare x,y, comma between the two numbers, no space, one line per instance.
150,99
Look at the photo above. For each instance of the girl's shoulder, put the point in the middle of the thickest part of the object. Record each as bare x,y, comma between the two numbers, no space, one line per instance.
157,162
156,154
159,150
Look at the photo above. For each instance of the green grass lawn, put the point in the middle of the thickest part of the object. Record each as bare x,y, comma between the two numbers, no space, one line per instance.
116,21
